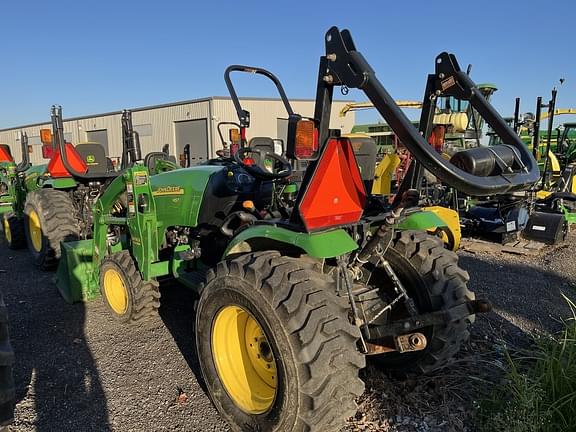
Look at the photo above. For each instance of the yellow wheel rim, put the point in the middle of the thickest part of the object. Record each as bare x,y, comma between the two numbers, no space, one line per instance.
7,232
244,360
115,291
35,230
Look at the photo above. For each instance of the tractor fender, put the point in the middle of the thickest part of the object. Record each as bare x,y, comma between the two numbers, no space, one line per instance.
431,219
326,244
59,183
421,221
452,234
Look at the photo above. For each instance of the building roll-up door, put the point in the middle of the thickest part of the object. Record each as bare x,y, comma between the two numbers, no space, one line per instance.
194,133
99,136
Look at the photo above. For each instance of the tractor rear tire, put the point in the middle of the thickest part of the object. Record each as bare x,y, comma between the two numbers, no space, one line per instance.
300,371
50,217
14,231
431,276
7,389
127,296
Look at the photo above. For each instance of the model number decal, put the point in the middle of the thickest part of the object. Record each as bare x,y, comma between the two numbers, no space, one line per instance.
168,190
140,178
448,82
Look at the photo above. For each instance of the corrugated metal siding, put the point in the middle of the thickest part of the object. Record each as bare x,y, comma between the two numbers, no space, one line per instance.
161,119
264,115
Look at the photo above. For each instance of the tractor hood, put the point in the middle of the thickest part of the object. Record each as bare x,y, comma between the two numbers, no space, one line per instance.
178,194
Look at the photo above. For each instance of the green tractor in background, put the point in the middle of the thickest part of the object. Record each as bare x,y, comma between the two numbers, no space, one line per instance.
300,273
13,180
58,205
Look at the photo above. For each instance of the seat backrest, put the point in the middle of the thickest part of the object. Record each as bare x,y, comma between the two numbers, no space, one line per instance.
365,150
94,156
265,144
151,159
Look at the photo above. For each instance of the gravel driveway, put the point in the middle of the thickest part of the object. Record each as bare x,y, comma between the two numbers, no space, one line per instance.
77,370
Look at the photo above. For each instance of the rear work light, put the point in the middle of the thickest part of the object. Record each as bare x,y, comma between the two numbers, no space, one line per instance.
306,145
335,195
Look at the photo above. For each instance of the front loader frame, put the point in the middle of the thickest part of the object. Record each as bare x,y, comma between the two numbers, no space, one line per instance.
344,66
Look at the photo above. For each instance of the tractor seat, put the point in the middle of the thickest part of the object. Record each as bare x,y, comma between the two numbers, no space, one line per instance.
152,158
265,144
94,156
365,150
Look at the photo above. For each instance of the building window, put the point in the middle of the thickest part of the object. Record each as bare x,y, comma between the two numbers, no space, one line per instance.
34,140
144,129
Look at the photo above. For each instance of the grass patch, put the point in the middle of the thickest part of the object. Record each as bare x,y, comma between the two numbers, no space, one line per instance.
539,391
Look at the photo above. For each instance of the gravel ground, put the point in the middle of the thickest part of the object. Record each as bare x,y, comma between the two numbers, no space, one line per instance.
79,371
526,294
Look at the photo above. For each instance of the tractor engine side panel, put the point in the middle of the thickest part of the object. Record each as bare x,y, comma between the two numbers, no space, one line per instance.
178,194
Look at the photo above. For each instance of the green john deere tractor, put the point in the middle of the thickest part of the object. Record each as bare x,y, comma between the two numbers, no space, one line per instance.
58,204
13,183
300,274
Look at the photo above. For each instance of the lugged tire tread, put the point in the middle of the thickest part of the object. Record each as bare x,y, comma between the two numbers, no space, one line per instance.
146,295
320,332
17,232
447,282
58,223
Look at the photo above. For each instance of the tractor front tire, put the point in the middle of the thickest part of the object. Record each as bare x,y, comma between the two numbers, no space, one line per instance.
50,217
276,348
14,231
127,296
431,276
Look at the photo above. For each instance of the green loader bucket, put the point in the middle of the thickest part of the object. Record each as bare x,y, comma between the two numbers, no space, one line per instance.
76,277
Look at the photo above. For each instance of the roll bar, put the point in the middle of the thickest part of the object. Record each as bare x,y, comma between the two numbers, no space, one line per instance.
219,129
131,150
59,146
25,163
344,66
244,115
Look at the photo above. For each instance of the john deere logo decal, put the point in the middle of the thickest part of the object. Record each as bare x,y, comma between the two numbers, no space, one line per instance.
168,190
90,159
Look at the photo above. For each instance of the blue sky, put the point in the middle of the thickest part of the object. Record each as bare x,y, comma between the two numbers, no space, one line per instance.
98,56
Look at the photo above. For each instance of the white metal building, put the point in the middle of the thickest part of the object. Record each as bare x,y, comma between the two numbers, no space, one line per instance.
191,122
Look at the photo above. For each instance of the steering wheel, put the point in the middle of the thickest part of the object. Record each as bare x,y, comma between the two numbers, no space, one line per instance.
257,170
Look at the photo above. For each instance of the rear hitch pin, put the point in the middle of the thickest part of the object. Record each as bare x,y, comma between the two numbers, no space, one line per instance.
343,271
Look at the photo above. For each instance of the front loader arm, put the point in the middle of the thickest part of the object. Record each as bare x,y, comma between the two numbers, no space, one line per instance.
140,218
345,66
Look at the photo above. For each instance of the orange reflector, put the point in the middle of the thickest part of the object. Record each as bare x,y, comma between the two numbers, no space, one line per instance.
335,195
306,145
234,135
248,205
46,136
